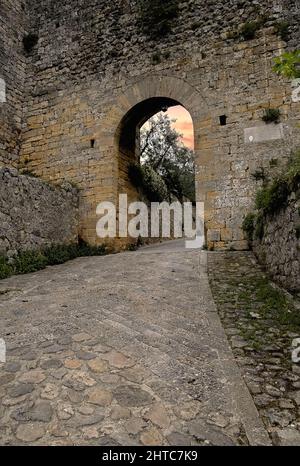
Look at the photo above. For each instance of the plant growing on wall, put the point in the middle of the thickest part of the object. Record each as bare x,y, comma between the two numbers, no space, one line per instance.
271,115
288,64
248,30
156,17
282,29
272,197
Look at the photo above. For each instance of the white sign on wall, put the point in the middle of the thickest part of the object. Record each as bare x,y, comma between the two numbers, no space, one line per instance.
2,91
296,90
263,133
2,350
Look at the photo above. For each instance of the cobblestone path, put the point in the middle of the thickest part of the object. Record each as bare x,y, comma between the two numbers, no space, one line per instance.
124,349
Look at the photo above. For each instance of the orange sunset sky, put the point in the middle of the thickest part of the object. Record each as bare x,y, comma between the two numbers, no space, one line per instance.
183,125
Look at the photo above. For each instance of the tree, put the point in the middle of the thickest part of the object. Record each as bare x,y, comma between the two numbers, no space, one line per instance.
163,150
288,64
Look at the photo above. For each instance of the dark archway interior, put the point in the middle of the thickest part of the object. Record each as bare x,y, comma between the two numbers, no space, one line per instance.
129,128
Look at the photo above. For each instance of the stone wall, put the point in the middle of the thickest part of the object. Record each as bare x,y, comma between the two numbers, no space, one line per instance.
279,250
13,27
34,214
92,65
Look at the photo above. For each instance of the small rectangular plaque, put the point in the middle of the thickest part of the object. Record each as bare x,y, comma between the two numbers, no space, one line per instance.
268,132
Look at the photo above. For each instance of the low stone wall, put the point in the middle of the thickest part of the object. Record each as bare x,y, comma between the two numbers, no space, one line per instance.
34,214
279,250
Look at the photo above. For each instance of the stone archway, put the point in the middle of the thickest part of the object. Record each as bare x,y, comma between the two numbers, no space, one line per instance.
135,106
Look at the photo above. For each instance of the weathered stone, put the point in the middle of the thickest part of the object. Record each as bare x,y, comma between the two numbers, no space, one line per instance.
82,420
179,439
214,436
158,415
98,365
288,437
34,376
131,396
51,364
152,437
99,397
80,337
50,392
135,425
119,412
87,410
21,389
118,360
85,355
187,410
65,411
30,432
78,381
90,432
12,367
73,364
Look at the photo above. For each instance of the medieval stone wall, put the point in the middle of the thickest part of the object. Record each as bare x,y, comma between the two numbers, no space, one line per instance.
34,214
279,250
92,65
13,26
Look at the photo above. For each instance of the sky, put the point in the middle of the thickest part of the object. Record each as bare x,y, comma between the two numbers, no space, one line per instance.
184,124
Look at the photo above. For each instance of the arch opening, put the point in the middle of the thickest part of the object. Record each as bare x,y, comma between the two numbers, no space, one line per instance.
167,121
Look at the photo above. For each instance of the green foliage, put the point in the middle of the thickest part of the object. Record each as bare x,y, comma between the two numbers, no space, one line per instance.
282,28
259,174
259,227
32,260
30,41
273,197
163,150
248,225
29,261
156,17
5,268
274,303
28,173
271,115
248,30
288,64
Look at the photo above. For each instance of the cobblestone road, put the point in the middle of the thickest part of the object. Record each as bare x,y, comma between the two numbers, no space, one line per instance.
124,349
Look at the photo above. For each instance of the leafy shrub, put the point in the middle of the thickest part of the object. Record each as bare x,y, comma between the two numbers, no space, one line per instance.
32,261
272,198
5,268
150,183
248,30
288,64
259,227
259,174
29,261
282,29
271,115
156,16
249,225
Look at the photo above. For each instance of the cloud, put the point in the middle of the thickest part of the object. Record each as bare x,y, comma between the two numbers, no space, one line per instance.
183,124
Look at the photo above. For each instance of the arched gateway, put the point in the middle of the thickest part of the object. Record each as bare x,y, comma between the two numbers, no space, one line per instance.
120,130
